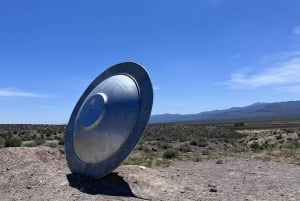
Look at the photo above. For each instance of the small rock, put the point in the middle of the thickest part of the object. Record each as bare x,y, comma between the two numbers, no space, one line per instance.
142,167
219,162
182,191
29,187
213,190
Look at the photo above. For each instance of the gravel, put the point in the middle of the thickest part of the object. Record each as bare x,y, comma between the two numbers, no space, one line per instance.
41,173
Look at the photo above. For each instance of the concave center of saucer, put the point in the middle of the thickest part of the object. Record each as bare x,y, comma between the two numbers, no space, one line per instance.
92,110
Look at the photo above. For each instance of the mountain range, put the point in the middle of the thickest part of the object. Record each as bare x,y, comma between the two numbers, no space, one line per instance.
277,110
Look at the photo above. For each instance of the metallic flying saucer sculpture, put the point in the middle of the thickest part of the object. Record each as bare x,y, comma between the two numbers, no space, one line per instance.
108,120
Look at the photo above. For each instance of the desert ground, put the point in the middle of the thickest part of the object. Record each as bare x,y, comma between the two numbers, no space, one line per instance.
232,161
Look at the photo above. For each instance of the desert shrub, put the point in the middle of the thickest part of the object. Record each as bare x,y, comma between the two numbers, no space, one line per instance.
51,144
196,158
205,152
164,145
146,149
39,141
23,133
29,144
253,138
169,153
2,142
13,142
202,142
140,147
61,141
193,142
56,137
254,146
184,147
182,138
266,144
3,134
292,143
288,130
216,140
50,138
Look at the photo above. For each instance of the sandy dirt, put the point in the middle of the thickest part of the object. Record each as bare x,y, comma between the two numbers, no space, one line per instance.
41,173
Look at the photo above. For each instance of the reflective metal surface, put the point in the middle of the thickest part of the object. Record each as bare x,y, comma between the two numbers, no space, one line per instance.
108,120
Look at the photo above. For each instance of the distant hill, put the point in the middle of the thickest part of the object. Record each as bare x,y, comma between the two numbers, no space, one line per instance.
254,111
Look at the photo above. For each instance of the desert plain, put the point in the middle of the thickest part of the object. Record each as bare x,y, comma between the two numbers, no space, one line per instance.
246,160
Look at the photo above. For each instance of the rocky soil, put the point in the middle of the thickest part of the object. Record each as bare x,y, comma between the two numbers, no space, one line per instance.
41,173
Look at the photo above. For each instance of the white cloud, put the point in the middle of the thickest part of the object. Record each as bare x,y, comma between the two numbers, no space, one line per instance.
287,55
10,92
290,88
281,71
297,30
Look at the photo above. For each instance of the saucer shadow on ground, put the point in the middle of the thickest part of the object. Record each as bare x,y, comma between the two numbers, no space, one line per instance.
112,184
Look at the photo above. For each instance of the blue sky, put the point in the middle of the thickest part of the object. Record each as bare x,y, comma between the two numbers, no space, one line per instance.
201,55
